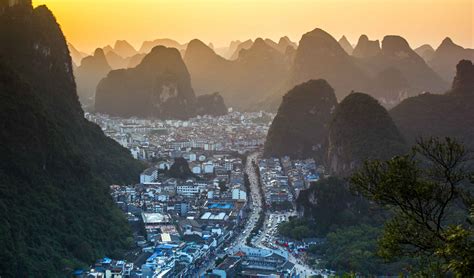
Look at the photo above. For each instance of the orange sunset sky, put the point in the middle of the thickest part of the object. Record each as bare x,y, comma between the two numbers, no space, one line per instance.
89,24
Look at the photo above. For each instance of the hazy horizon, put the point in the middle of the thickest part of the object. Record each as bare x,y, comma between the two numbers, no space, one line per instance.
184,20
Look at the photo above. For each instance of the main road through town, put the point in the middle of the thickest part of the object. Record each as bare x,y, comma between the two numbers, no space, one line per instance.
254,198
255,205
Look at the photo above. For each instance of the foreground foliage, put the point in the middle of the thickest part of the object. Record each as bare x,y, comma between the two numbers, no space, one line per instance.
429,193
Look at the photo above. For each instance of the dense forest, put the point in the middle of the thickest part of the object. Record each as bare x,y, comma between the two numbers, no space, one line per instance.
55,209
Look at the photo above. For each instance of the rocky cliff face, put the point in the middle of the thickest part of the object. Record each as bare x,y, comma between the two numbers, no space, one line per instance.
211,104
361,129
463,82
180,169
300,127
88,74
160,86
451,114
56,211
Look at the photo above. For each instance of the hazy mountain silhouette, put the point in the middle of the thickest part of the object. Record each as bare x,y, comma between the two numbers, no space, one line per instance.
426,52
260,71
319,56
446,56
272,44
346,45
366,48
107,49
76,55
116,61
124,49
243,45
300,128
399,72
231,49
242,82
135,60
284,43
88,74
56,166
390,86
361,129
160,86
209,71
450,114
147,46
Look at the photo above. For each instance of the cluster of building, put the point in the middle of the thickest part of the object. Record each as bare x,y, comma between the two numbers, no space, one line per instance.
283,179
254,262
152,138
183,223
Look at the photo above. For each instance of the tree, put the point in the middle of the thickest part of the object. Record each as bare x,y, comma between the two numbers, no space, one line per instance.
426,191
223,186
354,249
331,204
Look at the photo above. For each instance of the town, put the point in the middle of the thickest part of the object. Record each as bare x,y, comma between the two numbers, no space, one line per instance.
208,205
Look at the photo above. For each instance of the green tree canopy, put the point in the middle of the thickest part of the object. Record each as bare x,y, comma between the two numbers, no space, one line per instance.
428,193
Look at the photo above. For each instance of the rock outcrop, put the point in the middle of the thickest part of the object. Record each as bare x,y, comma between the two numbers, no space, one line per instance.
463,82
361,130
211,104
300,128
180,169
